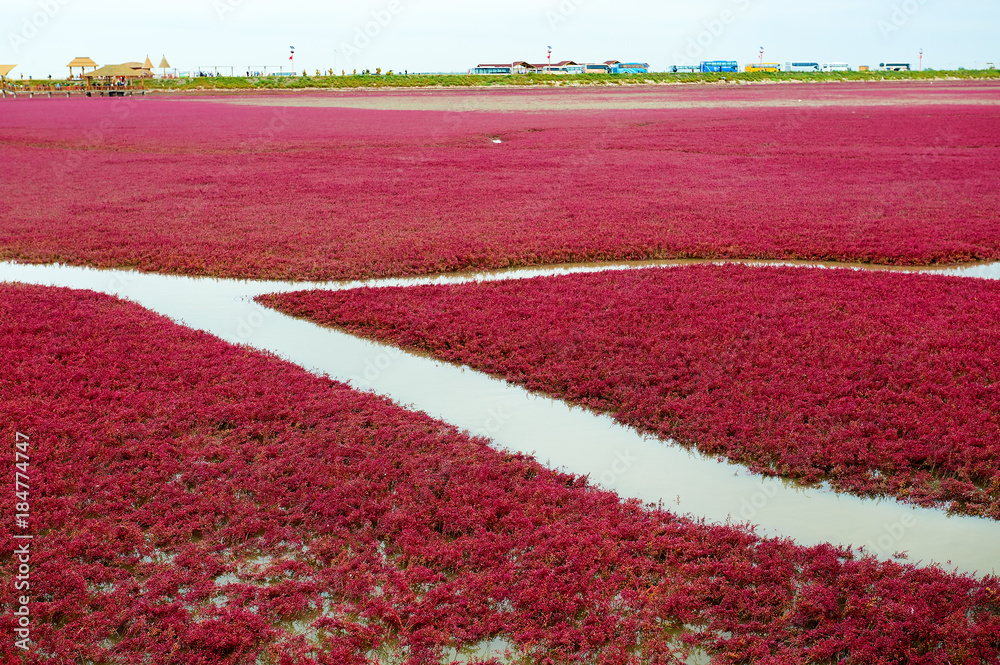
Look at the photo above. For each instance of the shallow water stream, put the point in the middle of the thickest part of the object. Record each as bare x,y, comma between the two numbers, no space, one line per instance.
560,436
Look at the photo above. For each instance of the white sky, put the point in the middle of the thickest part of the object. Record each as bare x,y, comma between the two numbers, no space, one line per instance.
42,36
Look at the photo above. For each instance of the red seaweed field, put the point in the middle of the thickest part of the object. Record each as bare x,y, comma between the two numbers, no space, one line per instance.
179,500
881,383
196,502
203,186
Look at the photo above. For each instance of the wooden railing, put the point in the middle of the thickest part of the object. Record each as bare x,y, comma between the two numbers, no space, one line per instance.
32,88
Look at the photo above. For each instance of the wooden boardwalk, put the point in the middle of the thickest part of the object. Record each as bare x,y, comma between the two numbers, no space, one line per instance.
30,90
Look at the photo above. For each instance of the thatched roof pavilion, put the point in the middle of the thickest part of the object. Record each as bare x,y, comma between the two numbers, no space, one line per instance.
141,68
82,63
112,77
115,71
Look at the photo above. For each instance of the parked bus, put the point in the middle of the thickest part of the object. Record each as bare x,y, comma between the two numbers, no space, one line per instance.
836,67
685,69
895,67
765,67
802,67
630,68
493,69
710,66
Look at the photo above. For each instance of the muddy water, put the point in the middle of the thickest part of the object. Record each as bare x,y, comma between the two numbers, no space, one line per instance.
560,436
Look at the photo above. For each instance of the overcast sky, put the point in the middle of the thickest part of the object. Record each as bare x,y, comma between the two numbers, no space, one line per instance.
42,36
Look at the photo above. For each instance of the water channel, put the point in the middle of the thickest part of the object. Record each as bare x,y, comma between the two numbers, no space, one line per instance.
558,435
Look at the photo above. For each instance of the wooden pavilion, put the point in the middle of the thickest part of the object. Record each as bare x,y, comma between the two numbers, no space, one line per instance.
4,83
82,63
145,70
114,78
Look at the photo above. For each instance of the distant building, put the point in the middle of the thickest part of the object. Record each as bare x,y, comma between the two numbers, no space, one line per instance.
562,67
507,68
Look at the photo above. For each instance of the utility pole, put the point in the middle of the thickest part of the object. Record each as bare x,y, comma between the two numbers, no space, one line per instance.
921,60
762,56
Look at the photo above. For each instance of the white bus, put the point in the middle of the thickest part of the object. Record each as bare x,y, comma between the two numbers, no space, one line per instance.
836,67
801,66
894,66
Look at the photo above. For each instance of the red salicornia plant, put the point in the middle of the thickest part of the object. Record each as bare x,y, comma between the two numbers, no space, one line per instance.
198,187
881,383
195,502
